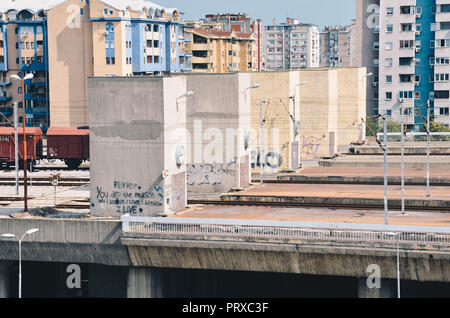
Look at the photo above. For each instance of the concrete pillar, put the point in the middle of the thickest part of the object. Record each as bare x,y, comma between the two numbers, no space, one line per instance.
144,283
5,279
387,290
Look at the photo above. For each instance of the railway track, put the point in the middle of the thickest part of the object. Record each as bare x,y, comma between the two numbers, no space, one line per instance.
392,207
45,181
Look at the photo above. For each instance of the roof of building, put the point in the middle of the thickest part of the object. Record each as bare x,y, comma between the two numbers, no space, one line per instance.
224,34
58,131
37,5
28,131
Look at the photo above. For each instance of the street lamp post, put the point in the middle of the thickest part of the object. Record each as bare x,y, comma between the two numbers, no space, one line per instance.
25,166
393,234
402,138
8,235
238,159
294,128
261,140
386,211
428,148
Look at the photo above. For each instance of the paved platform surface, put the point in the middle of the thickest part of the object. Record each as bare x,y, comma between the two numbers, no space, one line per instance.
300,214
346,191
371,161
349,171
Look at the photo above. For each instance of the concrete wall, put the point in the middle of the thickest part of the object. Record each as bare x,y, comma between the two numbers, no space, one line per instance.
218,118
329,107
136,128
79,241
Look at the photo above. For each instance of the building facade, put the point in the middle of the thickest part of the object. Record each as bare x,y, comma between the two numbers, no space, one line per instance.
292,45
336,46
222,51
63,42
413,59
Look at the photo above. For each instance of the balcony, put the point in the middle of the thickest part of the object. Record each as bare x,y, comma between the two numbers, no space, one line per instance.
6,111
36,96
201,60
5,81
5,98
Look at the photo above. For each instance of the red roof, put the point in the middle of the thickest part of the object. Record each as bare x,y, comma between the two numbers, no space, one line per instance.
62,131
28,131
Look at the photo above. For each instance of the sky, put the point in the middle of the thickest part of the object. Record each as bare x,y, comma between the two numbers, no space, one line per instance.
320,12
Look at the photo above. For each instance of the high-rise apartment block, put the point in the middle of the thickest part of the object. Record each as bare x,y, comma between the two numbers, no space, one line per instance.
336,43
63,42
407,45
292,45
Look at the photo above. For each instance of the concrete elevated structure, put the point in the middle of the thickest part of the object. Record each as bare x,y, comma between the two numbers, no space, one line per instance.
138,143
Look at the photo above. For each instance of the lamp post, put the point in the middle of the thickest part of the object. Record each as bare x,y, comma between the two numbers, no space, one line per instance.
8,235
402,138
393,234
238,159
25,166
261,126
294,128
428,148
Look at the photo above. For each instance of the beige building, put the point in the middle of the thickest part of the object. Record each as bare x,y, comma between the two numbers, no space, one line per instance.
222,51
336,46
63,42
329,105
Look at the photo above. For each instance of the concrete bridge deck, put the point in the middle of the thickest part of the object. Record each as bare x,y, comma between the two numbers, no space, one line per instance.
341,195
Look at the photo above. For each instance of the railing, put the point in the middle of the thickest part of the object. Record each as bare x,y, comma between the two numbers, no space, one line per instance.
288,230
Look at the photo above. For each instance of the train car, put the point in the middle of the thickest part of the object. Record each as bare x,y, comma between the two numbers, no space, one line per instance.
68,144
7,146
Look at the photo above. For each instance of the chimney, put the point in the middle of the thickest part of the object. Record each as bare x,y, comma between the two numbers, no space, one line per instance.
288,20
274,21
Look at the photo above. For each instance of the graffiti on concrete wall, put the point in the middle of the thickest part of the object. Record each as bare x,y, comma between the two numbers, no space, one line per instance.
271,159
199,174
311,145
130,197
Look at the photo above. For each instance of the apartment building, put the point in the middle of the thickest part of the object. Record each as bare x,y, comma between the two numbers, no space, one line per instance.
292,45
336,46
63,42
413,59
222,51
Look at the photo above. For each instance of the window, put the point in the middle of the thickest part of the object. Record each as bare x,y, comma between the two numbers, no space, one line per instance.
81,11
388,62
388,46
441,94
376,46
105,11
444,111
388,95
389,28
388,112
389,11
388,79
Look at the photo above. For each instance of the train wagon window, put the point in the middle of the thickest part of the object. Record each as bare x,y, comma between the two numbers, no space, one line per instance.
4,138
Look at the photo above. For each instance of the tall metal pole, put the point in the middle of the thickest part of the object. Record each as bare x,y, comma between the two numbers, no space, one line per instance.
428,148
16,148
386,220
261,125
25,198
403,158
398,268
20,267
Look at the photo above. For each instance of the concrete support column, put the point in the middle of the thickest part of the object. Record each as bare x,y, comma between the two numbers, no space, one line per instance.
387,290
5,276
144,283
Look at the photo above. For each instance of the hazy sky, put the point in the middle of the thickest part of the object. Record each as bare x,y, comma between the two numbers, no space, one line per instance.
320,12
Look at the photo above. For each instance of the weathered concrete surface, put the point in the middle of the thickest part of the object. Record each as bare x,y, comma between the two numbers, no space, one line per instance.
218,120
288,257
342,195
376,161
396,150
5,274
80,241
137,126
375,175
388,289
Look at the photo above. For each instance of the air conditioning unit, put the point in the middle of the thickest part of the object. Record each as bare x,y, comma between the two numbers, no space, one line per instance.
417,32
401,100
106,33
375,84
417,49
416,83
418,15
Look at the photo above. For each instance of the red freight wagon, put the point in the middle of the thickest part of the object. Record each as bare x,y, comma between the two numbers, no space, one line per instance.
68,144
7,149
